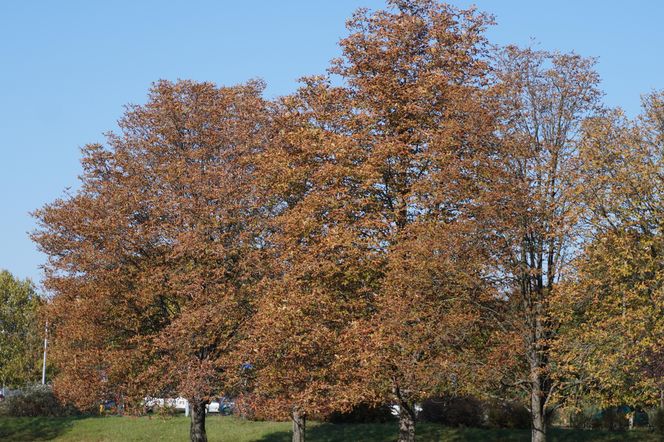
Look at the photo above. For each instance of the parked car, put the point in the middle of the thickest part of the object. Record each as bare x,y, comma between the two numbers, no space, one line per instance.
222,405
179,403
152,403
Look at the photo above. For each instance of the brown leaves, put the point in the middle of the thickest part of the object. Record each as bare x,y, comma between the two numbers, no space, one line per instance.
369,176
147,260
400,227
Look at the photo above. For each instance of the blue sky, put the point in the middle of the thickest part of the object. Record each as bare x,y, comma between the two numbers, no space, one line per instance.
68,67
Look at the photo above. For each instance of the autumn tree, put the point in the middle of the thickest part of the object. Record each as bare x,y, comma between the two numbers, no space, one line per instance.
545,99
617,297
372,176
310,289
148,260
21,331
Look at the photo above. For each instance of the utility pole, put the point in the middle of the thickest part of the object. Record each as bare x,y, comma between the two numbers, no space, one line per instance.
44,361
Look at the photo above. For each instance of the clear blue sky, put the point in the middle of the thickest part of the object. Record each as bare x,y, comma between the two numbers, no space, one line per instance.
67,68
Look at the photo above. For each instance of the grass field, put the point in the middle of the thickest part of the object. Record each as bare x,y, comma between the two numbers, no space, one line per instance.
236,430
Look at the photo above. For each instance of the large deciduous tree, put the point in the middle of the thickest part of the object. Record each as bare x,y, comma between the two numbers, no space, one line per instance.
546,97
374,185
148,260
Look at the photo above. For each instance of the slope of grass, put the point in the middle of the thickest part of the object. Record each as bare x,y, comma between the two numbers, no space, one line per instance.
111,429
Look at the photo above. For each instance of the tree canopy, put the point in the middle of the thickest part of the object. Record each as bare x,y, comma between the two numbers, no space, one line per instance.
149,259
434,215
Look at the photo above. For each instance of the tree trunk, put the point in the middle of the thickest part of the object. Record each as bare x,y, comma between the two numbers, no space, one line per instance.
406,422
197,428
299,424
538,418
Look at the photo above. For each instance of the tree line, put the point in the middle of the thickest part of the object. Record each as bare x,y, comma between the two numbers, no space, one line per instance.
434,214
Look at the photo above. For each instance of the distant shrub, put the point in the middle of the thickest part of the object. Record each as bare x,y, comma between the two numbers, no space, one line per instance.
34,401
657,421
363,413
582,419
641,418
611,419
457,411
508,415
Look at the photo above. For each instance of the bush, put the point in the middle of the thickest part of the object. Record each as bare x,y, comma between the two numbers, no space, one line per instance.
582,419
457,411
611,419
34,401
657,421
508,415
363,413
641,418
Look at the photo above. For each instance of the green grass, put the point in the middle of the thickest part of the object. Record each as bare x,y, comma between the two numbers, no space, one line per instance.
229,429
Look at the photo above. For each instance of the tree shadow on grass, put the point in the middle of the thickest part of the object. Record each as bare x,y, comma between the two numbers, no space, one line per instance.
570,435
33,428
326,432
388,432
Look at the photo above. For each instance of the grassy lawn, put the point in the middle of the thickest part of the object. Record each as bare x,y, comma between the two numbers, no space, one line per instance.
236,430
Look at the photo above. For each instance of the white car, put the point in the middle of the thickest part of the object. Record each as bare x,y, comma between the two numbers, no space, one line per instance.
151,403
220,405
178,403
